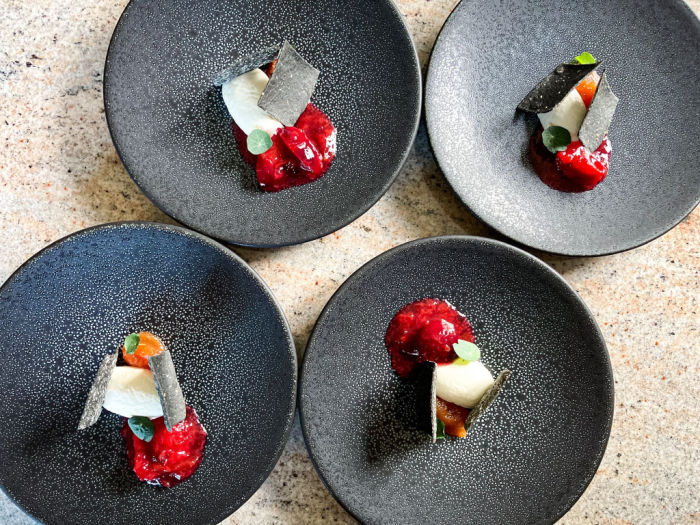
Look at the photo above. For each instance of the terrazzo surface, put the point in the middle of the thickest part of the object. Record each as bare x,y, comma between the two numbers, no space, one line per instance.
60,173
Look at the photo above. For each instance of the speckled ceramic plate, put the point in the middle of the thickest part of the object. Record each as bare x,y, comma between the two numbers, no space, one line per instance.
534,451
74,302
173,132
489,55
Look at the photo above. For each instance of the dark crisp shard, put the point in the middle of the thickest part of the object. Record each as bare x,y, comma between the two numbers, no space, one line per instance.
425,377
290,87
98,390
554,87
486,400
247,63
169,391
600,114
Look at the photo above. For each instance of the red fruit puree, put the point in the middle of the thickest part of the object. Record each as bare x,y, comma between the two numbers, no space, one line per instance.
299,154
170,457
425,330
574,170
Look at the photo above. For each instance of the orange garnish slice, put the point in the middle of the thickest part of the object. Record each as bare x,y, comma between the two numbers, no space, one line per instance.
149,345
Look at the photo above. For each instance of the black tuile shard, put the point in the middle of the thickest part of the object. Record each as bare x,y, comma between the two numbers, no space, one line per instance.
600,114
98,390
247,63
171,398
554,87
486,400
290,87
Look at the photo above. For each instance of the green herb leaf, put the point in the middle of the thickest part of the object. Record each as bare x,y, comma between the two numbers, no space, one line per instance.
556,138
466,350
131,342
142,427
440,434
585,58
258,142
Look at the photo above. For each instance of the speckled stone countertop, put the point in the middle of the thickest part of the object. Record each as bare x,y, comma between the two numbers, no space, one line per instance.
59,173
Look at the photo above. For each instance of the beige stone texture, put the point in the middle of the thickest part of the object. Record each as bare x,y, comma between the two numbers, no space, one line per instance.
60,173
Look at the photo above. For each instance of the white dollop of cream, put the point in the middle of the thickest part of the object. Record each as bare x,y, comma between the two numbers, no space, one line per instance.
463,383
569,114
241,96
132,392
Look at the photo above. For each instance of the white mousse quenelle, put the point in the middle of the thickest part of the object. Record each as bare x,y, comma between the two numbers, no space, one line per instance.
241,95
132,392
568,113
463,383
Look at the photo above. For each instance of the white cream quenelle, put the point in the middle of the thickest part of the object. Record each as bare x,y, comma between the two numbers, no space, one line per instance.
569,114
241,96
463,382
132,392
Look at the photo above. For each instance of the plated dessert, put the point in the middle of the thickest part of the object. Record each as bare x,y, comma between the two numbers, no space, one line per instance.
487,151
73,306
570,150
389,344
431,343
164,438
288,140
171,127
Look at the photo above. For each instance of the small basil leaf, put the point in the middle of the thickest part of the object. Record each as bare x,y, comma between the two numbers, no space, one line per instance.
131,342
556,138
585,58
440,434
466,350
142,427
258,142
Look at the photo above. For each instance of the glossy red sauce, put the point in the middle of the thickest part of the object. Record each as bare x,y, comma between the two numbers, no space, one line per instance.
425,330
170,457
575,170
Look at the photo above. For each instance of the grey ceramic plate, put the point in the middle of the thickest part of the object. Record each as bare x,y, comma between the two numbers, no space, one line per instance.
73,302
173,133
534,451
489,55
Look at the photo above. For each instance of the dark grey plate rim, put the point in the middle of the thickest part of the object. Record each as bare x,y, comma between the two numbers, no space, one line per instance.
369,266
417,112
253,274
660,232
